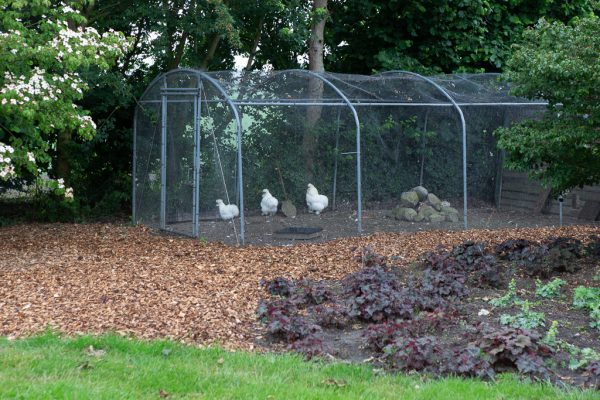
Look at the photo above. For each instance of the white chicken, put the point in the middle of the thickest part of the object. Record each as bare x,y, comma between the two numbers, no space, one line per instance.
268,204
316,202
227,211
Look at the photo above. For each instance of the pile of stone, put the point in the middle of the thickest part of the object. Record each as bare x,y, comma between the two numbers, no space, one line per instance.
418,205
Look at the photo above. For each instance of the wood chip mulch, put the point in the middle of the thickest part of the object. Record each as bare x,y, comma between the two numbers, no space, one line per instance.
97,278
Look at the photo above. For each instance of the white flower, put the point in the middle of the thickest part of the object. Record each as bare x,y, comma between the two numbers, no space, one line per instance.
483,312
7,171
69,193
30,157
61,183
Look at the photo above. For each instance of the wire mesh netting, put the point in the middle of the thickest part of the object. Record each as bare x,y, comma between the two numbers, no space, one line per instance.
363,141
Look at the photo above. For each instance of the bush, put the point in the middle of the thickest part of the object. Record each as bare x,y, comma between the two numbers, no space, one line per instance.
560,63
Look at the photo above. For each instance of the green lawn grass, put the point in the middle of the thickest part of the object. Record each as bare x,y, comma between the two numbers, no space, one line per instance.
51,367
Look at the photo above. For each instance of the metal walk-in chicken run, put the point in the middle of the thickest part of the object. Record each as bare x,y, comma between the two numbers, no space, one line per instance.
362,140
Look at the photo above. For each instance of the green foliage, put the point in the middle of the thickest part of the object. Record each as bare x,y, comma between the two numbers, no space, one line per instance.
586,297
550,289
595,317
426,36
525,319
44,47
559,63
550,337
509,298
580,357
589,299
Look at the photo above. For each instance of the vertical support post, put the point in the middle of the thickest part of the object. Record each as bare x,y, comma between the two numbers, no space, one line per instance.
163,160
358,164
240,177
358,171
199,147
195,185
464,161
335,160
499,178
500,167
134,170
560,210
423,147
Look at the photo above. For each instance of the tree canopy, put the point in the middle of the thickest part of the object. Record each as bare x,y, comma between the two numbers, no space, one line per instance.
434,36
560,63
69,79
44,48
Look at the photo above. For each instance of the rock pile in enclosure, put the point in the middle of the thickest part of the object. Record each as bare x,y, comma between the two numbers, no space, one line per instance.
419,205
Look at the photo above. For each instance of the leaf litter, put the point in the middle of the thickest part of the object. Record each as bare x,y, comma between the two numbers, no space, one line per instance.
97,278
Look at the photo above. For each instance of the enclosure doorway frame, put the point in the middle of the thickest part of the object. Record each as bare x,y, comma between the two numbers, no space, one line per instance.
197,118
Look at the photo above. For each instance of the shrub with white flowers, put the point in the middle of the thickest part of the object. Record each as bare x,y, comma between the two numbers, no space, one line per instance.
44,46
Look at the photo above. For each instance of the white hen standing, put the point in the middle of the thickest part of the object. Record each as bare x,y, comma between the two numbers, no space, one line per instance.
227,211
268,204
316,202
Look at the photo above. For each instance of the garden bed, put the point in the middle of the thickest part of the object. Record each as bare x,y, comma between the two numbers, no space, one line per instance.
473,310
96,278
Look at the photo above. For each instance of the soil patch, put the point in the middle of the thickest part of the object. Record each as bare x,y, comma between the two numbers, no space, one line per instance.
341,223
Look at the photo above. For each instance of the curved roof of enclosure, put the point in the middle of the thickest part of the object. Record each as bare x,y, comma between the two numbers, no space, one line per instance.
293,87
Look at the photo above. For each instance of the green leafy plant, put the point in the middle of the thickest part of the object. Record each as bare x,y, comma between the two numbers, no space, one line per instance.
550,289
509,298
550,337
595,316
526,319
588,299
585,297
580,357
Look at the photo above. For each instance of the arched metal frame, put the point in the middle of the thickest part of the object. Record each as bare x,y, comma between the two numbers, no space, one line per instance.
238,122
197,104
234,104
463,126
358,167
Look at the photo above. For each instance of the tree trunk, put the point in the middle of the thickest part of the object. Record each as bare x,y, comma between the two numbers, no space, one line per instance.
315,85
254,49
62,153
210,54
317,34
178,53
